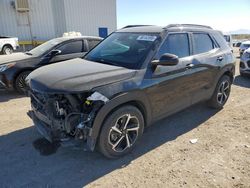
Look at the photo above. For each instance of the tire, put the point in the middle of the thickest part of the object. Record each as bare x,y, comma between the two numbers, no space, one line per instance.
7,50
221,93
20,84
114,140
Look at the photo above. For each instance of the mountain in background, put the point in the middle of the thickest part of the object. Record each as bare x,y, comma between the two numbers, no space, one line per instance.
240,32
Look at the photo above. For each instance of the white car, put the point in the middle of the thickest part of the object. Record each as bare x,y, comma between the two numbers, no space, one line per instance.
245,63
8,44
244,45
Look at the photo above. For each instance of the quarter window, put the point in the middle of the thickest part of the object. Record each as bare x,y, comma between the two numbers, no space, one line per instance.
202,43
71,47
93,43
177,44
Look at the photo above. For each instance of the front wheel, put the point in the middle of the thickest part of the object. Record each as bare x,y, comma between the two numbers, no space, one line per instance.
7,50
20,84
121,131
221,93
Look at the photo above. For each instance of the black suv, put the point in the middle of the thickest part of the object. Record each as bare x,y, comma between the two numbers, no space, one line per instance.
137,75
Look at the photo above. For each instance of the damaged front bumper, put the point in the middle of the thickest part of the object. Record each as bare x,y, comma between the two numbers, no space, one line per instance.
69,126
41,126
3,85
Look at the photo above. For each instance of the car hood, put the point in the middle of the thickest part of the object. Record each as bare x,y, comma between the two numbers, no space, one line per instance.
247,50
13,57
76,75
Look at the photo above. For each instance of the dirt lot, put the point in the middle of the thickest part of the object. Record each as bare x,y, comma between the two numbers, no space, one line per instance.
163,158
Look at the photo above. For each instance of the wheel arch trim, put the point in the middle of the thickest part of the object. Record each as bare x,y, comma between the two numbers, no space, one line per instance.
136,98
7,44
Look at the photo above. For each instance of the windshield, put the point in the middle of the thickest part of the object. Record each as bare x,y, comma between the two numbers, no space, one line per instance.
123,49
41,49
246,45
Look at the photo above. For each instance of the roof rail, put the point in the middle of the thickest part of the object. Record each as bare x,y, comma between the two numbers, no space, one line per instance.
128,26
187,25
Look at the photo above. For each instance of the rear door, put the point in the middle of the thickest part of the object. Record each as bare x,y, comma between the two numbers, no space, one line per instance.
204,65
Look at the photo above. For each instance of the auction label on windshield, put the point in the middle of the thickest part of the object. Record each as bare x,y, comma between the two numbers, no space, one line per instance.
147,38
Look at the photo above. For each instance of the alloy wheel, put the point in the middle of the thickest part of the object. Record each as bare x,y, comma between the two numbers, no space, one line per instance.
124,133
8,51
223,92
21,84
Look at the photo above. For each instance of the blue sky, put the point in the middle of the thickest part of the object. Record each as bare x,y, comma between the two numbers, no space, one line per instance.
225,15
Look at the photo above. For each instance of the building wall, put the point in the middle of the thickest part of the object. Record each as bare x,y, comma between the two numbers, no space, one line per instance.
50,18
41,16
58,10
91,14
13,23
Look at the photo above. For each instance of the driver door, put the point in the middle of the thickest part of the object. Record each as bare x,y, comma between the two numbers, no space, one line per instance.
171,91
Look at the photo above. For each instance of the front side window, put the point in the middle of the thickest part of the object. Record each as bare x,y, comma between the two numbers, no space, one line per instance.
45,47
123,49
177,44
71,47
202,43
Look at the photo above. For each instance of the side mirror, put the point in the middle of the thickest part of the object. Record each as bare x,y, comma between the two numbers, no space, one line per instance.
55,52
167,60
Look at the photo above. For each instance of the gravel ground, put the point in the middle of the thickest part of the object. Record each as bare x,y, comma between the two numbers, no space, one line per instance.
164,157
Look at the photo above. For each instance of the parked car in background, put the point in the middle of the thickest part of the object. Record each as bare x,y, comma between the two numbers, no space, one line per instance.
16,67
237,44
133,78
244,45
245,63
8,45
229,40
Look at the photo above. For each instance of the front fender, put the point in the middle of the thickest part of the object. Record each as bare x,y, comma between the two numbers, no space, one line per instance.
136,96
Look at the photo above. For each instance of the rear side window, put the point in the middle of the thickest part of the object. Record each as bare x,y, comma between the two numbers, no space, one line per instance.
92,43
177,44
202,43
71,47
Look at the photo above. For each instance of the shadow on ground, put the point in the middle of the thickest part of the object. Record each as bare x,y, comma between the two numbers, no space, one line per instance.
8,95
22,165
242,81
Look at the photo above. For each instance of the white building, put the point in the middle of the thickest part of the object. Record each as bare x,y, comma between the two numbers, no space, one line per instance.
41,20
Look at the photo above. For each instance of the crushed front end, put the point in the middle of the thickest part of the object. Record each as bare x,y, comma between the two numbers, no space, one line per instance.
66,118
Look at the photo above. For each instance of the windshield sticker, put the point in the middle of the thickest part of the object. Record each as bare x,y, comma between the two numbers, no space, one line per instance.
146,38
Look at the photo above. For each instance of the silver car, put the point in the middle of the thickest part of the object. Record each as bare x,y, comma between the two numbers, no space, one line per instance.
244,45
245,63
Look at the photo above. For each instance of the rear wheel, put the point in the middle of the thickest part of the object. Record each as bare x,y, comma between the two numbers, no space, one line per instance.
7,50
221,93
121,131
20,84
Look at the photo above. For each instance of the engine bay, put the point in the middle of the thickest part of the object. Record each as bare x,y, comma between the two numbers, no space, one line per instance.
64,117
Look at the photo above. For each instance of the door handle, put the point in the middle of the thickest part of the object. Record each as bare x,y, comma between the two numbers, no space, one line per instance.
189,66
220,58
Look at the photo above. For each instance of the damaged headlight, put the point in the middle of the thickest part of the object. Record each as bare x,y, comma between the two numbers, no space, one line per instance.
96,96
6,66
247,55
